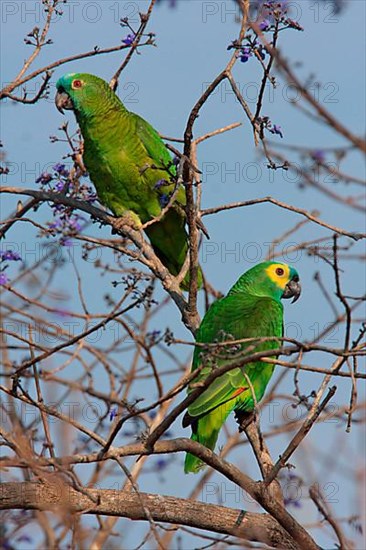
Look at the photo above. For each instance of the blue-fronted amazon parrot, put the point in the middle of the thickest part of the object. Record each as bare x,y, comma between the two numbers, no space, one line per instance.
129,165
251,309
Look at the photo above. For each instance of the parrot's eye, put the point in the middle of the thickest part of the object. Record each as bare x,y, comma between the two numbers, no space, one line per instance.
280,271
76,84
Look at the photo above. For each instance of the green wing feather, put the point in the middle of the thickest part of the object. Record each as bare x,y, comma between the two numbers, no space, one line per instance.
168,237
154,145
159,154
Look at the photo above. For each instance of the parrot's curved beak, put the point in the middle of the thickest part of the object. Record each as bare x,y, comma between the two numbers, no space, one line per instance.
292,289
63,101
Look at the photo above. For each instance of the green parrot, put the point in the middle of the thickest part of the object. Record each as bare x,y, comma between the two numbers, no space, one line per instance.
129,165
251,309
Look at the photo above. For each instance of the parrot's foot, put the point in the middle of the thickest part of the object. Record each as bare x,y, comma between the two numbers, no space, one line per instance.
128,218
244,418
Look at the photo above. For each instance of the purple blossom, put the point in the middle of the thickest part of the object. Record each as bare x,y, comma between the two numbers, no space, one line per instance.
61,170
4,279
129,39
292,490
276,130
112,414
275,5
265,25
248,51
66,223
74,224
272,13
65,241
55,225
60,185
161,464
10,256
318,155
163,200
153,336
44,178
161,183
245,54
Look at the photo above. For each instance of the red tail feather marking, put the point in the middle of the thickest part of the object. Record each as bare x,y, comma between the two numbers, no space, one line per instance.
239,391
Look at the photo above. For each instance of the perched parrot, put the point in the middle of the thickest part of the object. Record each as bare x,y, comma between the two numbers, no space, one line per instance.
251,309
129,165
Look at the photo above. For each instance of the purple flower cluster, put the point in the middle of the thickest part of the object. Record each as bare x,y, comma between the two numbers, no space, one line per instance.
163,197
66,222
10,256
292,485
318,155
266,123
7,256
55,181
129,39
164,200
112,414
153,337
251,48
161,183
276,130
265,25
60,181
245,54
273,15
61,170
4,279
161,464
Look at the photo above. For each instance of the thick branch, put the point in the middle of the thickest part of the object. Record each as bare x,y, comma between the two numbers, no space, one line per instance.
219,519
257,490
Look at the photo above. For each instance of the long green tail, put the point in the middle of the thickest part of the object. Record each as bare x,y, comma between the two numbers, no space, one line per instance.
170,242
205,430
193,464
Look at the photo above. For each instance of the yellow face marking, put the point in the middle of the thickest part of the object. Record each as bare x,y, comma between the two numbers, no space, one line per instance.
280,280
